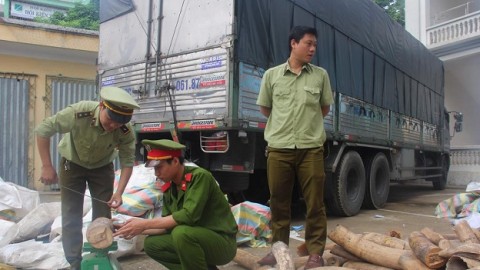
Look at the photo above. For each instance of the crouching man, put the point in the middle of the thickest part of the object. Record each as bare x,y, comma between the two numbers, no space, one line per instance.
197,229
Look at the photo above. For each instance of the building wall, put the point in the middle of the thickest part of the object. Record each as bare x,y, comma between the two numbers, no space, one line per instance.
461,76
43,52
49,37
43,68
461,58
461,94
415,18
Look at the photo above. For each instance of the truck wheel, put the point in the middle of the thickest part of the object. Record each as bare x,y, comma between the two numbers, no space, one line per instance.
348,186
440,183
378,181
258,187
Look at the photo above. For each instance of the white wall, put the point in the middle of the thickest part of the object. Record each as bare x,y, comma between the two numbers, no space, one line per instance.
415,18
462,83
462,93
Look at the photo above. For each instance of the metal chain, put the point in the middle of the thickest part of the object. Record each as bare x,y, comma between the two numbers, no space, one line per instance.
93,198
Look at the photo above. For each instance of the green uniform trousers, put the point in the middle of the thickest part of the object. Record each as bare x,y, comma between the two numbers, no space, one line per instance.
188,248
305,165
100,184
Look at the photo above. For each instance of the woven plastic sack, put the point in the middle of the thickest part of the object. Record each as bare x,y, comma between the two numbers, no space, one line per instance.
253,222
142,194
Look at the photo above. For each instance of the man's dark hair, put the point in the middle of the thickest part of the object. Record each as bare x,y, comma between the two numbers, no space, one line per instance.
298,32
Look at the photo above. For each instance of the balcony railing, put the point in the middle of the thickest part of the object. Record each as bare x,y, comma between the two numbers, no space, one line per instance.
456,12
457,29
464,165
465,155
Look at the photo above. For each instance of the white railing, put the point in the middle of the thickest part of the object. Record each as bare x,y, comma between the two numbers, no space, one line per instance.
456,12
454,30
464,165
465,155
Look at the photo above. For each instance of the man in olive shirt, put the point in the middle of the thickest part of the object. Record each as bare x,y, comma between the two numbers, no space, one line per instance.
197,229
295,97
95,133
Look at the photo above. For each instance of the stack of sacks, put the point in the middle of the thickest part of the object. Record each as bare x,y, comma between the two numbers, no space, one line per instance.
142,196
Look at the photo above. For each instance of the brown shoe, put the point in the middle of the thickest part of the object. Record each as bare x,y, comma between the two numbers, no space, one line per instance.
269,259
314,261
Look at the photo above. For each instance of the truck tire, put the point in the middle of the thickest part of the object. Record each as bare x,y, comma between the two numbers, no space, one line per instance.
378,181
347,187
439,183
258,191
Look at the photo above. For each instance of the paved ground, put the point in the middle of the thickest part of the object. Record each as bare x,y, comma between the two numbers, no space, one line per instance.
410,208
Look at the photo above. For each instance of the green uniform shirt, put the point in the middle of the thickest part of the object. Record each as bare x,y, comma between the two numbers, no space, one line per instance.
202,203
85,142
296,119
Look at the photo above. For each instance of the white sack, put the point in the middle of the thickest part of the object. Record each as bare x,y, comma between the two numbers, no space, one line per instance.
9,234
127,246
56,228
34,255
17,198
38,221
5,225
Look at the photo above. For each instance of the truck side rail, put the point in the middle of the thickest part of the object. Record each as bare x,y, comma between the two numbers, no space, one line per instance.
361,122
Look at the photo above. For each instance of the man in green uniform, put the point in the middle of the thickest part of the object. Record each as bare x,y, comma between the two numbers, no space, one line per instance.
95,133
295,96
197,229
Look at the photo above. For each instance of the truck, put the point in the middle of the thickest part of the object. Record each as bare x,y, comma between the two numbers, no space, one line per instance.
195,69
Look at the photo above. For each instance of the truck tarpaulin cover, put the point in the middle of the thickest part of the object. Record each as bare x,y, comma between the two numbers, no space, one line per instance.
110,9
367,54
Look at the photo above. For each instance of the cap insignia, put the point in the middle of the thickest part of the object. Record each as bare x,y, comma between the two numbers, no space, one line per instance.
122,110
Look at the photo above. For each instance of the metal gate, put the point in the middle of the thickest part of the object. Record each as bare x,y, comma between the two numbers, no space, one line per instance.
17,99
63,92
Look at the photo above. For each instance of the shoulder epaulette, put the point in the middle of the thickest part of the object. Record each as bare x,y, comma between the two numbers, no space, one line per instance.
125,129
83,114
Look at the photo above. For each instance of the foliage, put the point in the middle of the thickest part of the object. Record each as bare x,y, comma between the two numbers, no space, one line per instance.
394,8
80,16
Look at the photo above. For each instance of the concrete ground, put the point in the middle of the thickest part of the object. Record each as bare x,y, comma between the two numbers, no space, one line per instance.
410,208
